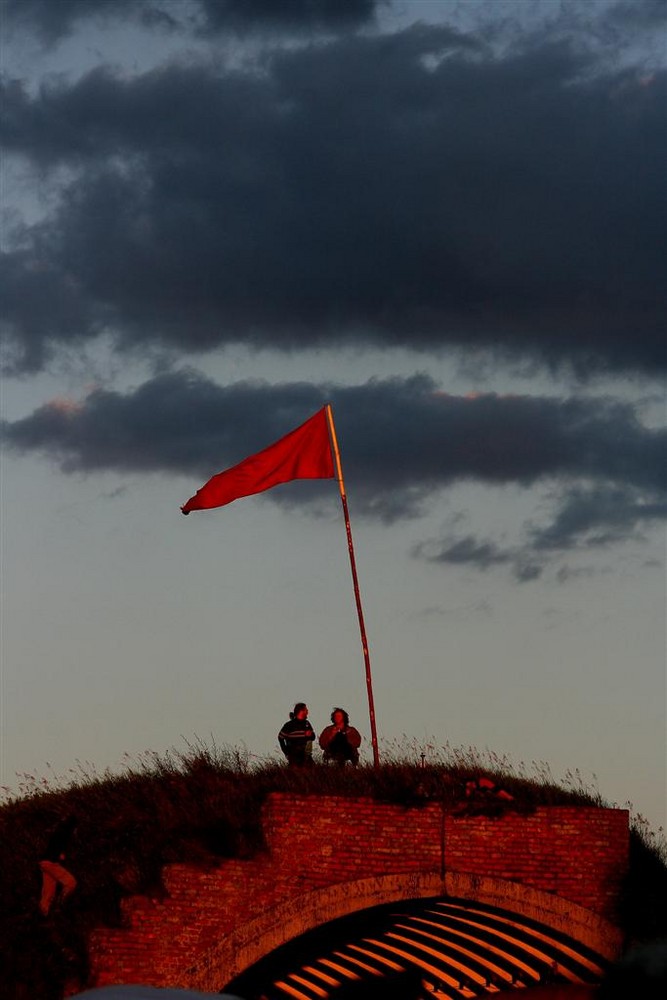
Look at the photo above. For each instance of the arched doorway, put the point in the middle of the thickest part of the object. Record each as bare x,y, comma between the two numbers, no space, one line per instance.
420,949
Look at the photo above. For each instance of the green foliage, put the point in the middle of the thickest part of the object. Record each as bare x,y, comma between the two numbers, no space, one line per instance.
204,803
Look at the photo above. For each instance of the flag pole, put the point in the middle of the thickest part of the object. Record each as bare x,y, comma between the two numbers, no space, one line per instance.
355,582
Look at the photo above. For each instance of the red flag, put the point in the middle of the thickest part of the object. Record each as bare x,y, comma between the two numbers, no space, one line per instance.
304,453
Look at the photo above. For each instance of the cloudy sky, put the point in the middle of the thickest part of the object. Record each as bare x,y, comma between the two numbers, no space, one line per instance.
447,219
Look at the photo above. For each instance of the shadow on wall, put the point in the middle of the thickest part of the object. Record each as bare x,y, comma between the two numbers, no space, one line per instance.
642,973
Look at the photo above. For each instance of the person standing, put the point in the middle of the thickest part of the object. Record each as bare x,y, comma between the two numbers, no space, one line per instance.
54,873
340,741
297,736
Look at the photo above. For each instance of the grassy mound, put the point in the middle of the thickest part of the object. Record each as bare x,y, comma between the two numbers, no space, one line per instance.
202,804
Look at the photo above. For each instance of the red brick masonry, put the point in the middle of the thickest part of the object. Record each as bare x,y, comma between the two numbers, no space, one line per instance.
578,854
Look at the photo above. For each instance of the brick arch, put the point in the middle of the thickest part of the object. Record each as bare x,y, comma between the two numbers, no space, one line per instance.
561,866
259,936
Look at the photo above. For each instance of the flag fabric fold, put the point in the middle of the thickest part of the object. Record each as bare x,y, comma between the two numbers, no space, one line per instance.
304,453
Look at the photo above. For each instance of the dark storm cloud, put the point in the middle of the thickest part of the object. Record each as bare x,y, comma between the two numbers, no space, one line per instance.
585,519
465,551
606,514
642,14
243,15
397,430
402,440
481,554
31,291
53,20
414,189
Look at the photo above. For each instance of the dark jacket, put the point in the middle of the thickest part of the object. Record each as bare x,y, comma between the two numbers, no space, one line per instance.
296,737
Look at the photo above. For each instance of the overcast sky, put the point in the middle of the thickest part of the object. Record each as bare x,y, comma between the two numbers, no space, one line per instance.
447,220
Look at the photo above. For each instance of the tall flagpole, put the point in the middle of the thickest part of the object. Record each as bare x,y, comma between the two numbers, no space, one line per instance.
355,582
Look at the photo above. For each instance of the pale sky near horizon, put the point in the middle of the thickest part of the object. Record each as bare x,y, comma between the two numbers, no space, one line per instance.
448,221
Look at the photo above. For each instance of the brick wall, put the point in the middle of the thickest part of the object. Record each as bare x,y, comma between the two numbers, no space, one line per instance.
579,854
336,839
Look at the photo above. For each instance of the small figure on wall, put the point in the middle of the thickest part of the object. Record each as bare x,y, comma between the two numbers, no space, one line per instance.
54,873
